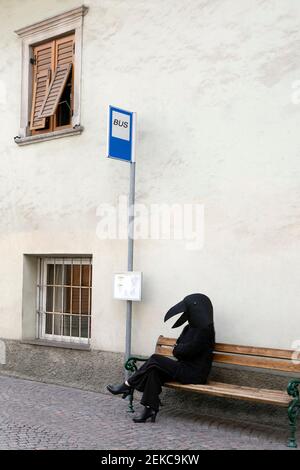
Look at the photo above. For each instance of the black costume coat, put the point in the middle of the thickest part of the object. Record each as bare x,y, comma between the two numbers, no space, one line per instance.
193,352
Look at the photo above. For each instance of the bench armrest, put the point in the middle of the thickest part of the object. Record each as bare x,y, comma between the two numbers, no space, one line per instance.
130,364
293,389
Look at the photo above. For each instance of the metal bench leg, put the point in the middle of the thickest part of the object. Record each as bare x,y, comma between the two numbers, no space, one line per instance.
293,412
130,404
130,365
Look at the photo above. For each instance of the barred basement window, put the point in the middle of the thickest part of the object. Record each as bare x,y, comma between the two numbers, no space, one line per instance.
64,293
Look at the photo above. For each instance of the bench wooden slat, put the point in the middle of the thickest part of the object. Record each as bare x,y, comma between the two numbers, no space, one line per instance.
164,351
235,391
264,358
237,349
260,362
163,340
254,351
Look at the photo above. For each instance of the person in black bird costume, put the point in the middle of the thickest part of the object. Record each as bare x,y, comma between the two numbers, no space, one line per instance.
193,351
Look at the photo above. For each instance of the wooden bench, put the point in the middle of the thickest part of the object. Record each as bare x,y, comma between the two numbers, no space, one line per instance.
257,358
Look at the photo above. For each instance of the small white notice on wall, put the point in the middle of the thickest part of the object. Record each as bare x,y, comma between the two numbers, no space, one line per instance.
128,286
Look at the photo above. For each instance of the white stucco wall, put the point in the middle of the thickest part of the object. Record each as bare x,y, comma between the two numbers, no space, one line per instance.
211,82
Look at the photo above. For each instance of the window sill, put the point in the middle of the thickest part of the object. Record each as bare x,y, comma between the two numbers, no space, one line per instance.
33,139
57,344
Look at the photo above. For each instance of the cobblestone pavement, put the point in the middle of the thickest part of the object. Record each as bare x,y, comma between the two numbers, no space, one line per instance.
35,415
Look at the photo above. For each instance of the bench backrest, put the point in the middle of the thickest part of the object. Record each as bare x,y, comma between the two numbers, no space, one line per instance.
265,358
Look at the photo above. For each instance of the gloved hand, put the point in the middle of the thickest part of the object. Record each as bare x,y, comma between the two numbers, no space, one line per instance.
175,353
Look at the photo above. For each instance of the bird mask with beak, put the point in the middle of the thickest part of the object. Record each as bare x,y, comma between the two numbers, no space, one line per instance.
196,309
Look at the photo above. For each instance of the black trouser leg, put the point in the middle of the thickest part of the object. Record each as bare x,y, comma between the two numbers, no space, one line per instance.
152,389
151,376
168,367
149,382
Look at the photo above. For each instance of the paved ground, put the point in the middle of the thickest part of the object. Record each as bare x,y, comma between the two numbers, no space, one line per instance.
34,415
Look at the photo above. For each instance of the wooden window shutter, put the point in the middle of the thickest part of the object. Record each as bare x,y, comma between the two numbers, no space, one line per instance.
64,50
55,90
43,63
64,55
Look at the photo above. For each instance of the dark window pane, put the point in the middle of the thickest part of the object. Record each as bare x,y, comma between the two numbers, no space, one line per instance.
48,328
66,330
58,274
75,326
86,270
67,299
85,301
67,275
49,299
63,114
76,275
58,299
75,300
84,327
58,324
50,273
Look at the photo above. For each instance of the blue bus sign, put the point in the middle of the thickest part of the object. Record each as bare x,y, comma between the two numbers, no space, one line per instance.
121,134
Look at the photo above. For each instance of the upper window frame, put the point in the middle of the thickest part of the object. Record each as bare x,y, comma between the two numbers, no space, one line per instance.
65,23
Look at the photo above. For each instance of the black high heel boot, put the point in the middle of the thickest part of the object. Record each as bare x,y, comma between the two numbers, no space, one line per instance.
122,389
147,413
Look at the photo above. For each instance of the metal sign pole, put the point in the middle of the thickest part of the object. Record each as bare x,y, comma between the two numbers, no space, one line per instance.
131,201
121,142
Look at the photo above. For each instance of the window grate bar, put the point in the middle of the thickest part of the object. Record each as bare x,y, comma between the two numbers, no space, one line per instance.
89,293
62,298
80,283
53,305
71,297
64,285
38,294
43,296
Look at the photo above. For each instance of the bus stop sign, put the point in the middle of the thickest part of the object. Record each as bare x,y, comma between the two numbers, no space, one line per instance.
121,134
